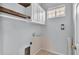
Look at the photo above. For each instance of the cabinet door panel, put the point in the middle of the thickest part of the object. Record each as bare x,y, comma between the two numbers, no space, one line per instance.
38,14
34,12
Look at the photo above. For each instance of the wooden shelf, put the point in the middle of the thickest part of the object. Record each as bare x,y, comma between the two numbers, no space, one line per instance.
12,12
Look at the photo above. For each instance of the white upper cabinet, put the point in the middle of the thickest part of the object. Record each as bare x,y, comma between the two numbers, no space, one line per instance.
38,14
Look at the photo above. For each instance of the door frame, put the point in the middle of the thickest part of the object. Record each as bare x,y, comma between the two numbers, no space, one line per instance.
75,5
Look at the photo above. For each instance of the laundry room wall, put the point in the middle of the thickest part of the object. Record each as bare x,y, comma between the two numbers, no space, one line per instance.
17,35
1,37
57,38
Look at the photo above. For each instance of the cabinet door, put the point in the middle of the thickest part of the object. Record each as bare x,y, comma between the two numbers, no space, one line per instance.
42,16
34,13
38,14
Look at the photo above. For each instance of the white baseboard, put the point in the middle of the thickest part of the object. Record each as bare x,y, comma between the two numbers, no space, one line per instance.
57,53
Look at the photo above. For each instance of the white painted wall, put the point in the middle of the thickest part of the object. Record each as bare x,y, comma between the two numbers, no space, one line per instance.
36,45
17,35
28,10
57,38
1,36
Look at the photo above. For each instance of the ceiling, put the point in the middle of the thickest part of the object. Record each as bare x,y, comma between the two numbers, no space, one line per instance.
46,6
